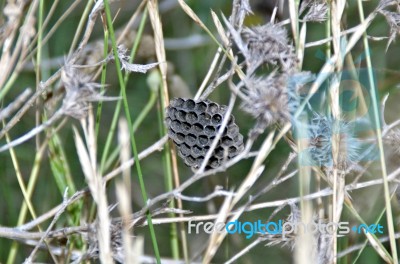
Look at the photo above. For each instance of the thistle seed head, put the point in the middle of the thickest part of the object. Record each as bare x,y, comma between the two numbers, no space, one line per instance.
322,130
274,98
267,99
268,44
79,92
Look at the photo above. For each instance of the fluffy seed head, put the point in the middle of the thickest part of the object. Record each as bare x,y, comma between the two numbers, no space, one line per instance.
321,131
274,98
79,92
268,44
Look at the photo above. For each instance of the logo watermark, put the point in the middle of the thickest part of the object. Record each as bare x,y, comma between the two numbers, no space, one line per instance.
285,229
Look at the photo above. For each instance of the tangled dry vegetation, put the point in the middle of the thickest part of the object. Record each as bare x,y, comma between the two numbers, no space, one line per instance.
317,144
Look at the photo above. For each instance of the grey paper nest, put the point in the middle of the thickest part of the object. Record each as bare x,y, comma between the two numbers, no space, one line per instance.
193,125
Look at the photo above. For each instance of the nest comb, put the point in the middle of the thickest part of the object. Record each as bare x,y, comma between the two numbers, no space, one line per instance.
193,126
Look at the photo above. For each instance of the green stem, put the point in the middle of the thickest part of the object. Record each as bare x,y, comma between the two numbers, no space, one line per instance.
168,172
103,81
135,126
128,117
103,164
375,107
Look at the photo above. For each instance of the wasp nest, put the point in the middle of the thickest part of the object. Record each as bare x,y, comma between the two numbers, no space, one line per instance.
193,126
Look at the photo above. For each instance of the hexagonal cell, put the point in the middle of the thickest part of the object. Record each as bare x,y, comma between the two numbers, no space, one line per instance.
212,108
196,151
238,139
176,126
232,151
190,160
216,119
200,107
214,163
185,127
209,131
190,140
181,154
233,130
199,161
191,117
204,151
227,141
204,119
185,149
197,128
177,102
179,138
202,140
171,112
189,104
219,152
180,115
240,148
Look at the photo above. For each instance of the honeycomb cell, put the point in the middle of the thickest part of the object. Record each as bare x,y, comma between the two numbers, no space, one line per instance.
238,138
214,163
227,141
191,117
232,149
179,138
213,108
190,160
197,128
176,126
232,130
185,127
216,119
204,119
199,162
189,104
181,154
201,107
181,115
177,102
203,140
172,113
185,149
190,140
196,151
209,131
219,153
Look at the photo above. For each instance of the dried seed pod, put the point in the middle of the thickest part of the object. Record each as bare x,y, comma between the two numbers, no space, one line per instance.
193,125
